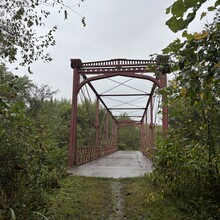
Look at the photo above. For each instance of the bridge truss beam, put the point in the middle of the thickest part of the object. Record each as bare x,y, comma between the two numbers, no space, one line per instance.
91,72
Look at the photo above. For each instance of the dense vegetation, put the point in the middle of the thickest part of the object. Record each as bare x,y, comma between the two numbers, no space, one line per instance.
34,138
34,128
188,160
33,143
129,136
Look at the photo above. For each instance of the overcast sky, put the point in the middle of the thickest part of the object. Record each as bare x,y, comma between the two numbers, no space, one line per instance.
131,29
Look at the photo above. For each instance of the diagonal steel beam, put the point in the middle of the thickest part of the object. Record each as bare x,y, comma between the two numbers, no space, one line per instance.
98,96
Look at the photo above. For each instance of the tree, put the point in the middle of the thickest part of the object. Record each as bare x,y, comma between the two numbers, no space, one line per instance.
184,12
188,160
18,162
128,137
33,146
199,77
19,20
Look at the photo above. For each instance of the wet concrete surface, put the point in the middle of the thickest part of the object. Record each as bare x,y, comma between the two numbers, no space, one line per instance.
120,164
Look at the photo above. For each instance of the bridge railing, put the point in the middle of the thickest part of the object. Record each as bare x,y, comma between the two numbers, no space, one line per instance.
86,154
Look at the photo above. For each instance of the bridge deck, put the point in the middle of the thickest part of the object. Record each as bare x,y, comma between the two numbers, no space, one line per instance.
120,164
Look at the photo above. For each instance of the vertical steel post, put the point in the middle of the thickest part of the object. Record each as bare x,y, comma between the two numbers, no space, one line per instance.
97,123
72,156
142,136
146,133
113,127
151,121
163,81
106,127
116,134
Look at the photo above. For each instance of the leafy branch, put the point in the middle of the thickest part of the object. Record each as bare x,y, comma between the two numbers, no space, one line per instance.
19,21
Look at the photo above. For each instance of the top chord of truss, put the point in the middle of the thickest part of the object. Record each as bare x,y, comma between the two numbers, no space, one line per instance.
118,63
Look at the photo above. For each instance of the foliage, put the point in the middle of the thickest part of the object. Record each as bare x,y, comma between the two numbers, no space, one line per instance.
185,172
188,161
19,23
31,149
17,154
184,12
143,201
128,137
86,123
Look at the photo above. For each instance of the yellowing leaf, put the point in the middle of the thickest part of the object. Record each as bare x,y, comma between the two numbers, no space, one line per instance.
198,36
183,91
217,65
150,198
202,95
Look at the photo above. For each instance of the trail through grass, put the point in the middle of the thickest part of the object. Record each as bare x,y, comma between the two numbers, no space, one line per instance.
89,198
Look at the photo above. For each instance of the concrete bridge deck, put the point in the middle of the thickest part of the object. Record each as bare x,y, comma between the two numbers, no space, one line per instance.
120,164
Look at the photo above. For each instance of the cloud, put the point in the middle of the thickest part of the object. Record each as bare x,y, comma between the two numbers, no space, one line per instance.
115,29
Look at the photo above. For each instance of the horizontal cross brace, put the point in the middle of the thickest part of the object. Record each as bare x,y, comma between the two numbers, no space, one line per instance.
126,108
113,70
131,116
140,94
129,122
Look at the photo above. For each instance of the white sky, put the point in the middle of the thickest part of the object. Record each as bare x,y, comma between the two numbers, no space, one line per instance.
131,29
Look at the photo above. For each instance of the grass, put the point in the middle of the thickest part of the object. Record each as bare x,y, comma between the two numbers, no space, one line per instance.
81,198
143,201
89,198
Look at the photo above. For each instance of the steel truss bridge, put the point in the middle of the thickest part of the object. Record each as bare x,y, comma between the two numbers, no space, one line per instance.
120,86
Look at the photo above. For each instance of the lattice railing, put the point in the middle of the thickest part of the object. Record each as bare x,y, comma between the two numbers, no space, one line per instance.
86,154
113,66
117,62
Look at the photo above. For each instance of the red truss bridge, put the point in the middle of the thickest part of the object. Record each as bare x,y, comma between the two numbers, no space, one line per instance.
121,87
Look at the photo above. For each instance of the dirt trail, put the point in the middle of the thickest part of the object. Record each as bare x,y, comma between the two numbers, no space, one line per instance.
118,208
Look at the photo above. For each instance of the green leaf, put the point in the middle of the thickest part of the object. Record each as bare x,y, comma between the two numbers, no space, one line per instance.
176,24
211,8
178,8
30,23
19,14
217,3
168,10
187,35
190,3
202,15
173,47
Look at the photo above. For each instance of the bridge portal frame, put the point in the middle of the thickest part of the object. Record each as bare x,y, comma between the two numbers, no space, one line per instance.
107,69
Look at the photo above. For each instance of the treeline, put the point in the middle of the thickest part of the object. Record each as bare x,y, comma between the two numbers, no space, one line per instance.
129,137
